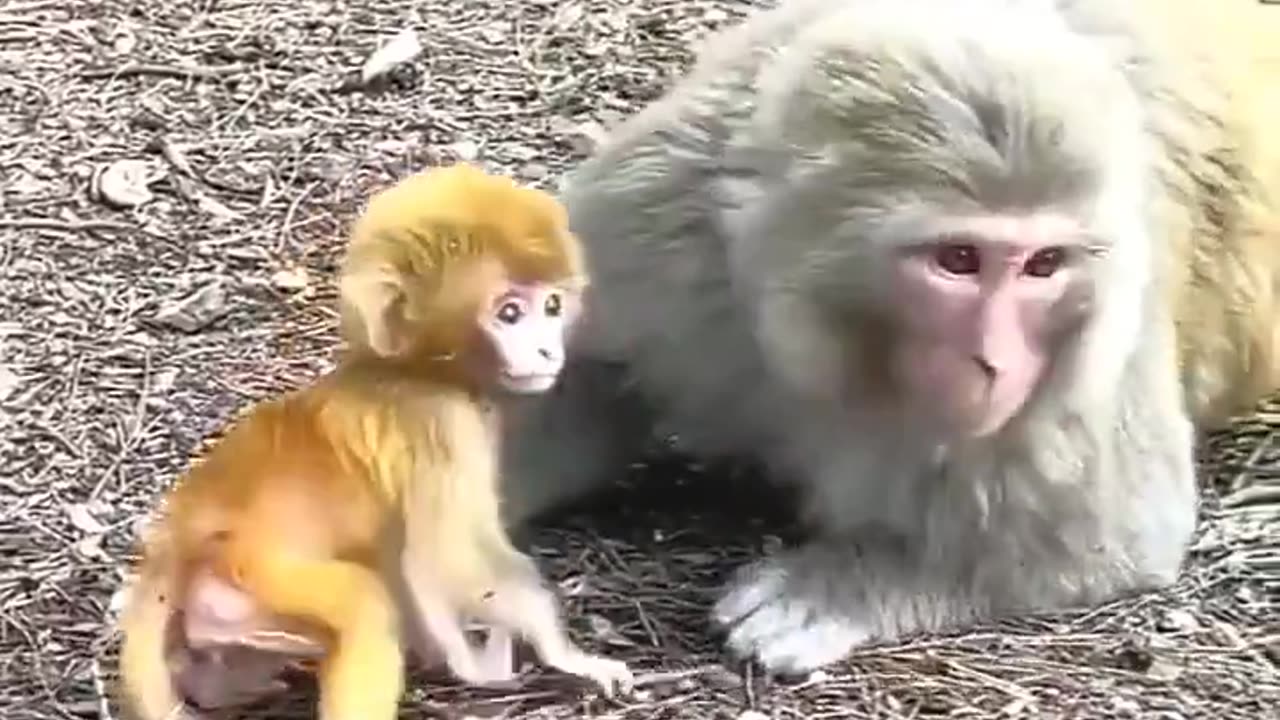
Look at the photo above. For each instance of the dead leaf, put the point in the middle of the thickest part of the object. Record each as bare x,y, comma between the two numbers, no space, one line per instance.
90,548
1162,669
573,585
1016,707
291,279
83,520
399,50
465,150
163,380
175,154
1178,621
568,16
22,183
124,42
215,208
1125,706
715,16
194,310
269,192
604,630
1246,595
8,382
124,183
394,147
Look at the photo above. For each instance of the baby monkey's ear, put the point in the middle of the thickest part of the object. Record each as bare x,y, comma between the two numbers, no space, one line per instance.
374,310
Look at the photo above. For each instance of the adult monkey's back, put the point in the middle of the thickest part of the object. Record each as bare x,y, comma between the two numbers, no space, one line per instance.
923,258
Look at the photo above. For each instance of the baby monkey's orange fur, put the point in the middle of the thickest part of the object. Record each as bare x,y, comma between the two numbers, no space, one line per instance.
323,516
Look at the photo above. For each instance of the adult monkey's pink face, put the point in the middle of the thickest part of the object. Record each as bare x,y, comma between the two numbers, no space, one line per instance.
981,306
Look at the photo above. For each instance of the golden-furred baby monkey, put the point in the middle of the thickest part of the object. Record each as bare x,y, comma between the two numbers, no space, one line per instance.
965,271
295,534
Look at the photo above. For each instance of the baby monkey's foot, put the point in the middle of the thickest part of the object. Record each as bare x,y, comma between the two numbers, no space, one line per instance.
613,676
493,666
488,674
485,675
496,664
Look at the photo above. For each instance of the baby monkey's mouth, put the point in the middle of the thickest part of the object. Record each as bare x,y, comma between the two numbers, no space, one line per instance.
529,381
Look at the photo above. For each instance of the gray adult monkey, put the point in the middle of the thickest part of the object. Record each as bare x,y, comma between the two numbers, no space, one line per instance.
964,270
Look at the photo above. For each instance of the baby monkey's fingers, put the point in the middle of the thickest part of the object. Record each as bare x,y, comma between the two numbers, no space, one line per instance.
613,676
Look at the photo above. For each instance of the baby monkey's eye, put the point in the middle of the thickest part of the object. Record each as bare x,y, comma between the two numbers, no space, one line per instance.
1044,263
553,305
510,312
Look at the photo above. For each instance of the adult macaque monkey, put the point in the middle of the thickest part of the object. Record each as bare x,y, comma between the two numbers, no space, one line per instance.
295,535
964,270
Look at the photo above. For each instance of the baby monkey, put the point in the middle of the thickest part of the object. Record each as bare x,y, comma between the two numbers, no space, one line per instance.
325,518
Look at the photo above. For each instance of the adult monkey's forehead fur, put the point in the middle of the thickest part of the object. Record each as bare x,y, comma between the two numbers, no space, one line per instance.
965,271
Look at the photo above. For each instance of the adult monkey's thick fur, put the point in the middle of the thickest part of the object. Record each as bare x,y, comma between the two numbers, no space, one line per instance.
733,224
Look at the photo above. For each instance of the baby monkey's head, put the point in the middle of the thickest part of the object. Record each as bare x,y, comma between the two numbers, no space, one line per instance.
457,269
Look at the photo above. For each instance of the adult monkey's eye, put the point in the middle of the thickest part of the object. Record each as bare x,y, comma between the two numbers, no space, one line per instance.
1044,263
510,312
957,259
553,305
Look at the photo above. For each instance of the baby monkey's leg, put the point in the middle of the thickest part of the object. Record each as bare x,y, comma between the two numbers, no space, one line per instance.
362,674
497,659
445,639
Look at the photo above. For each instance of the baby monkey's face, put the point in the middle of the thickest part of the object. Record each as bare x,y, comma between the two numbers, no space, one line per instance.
527,325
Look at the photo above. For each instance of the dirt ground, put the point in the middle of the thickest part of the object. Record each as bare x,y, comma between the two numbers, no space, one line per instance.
176,179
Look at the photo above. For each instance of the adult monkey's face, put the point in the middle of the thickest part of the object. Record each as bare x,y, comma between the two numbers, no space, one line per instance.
982,310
